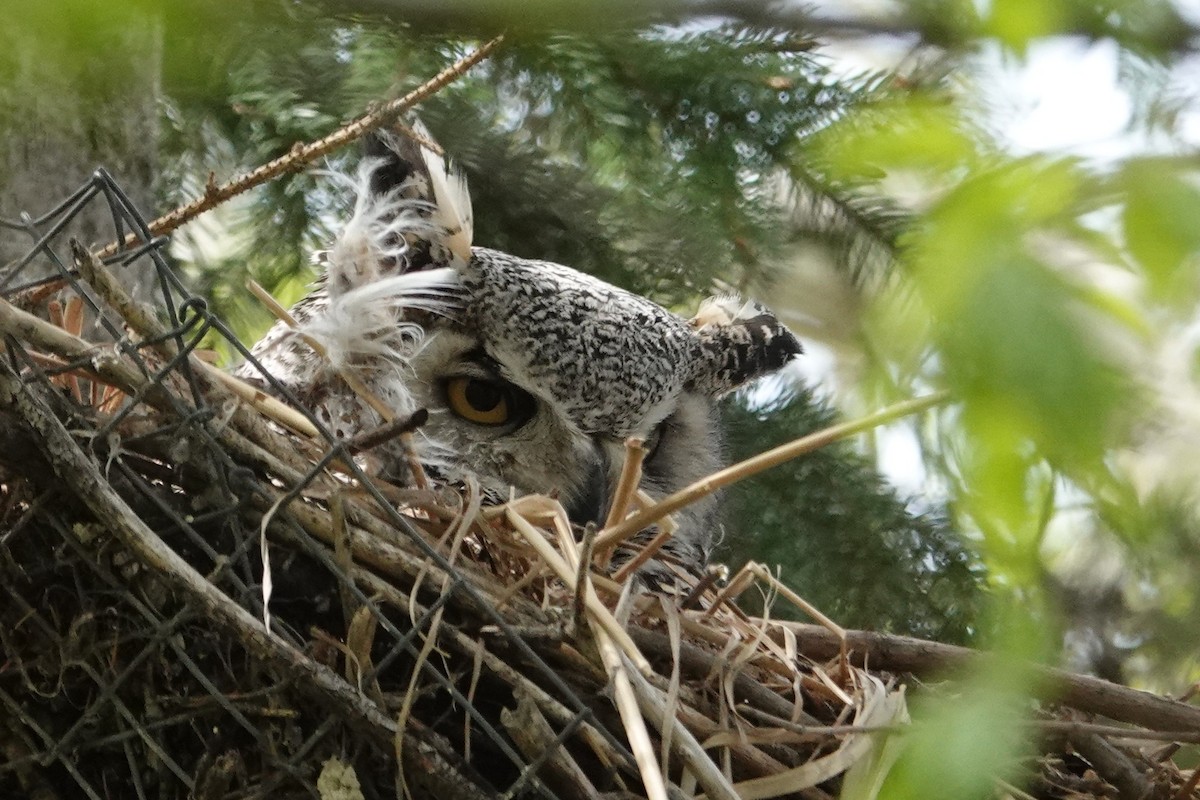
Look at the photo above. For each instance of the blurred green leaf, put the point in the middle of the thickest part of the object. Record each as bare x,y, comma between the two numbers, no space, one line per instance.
1014,335
960,745
1016,22
906,132
1161,214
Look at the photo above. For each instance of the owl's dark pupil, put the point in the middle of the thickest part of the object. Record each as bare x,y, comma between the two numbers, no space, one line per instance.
483,396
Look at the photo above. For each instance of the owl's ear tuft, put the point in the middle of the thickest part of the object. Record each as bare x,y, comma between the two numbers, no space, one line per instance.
452,211
394,159
738,342
409,163
411,213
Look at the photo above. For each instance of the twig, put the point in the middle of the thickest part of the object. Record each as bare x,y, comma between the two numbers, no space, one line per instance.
600,614
761,572
138,316
1113,765
808,608
683,743
385,433
78,471
763,461
410,695
262,402
104,361
696,662
504,671
302,154
1114,731
774,721
70,321
667,529
621,678
1187,791
741,580
583,575
534,736
627,484
1082,692
142,321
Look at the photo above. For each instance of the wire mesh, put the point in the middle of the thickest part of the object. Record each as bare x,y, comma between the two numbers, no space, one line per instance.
116,684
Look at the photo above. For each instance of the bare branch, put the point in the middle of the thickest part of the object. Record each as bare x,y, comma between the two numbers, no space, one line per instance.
303,154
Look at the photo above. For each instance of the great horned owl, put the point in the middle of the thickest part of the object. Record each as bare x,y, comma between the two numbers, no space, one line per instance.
533,374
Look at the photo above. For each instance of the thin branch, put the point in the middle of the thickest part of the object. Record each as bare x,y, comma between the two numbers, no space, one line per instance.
1083,692
302,154
1113,731
627,484
759,463
600,615
143,322
1113,765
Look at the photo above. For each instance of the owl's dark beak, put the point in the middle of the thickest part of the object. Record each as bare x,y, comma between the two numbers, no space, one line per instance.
591,504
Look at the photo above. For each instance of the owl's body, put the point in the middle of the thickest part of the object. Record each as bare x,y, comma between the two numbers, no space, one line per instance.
533,374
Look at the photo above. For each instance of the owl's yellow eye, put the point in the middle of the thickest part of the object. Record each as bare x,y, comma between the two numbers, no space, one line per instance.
478,401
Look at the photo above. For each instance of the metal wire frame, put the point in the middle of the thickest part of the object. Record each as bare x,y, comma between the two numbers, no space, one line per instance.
190,321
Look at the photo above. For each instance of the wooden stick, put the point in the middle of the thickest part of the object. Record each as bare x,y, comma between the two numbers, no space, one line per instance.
276,308
620,676
683,743
1083,692
138,316
627,484
1113,731
761,571
104,361
262,402
534,736
667,529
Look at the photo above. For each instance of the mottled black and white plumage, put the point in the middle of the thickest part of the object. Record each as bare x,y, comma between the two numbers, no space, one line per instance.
533,374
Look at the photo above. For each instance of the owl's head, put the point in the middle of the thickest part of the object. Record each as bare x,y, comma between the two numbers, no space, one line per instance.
533,374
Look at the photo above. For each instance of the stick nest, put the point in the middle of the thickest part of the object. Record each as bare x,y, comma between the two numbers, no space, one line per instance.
200,601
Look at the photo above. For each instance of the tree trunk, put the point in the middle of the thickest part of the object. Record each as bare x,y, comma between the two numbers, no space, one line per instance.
76,93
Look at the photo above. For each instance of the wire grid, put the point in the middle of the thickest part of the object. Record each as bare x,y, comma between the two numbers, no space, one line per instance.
114,686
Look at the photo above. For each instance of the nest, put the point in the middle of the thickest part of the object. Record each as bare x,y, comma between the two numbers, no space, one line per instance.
207,596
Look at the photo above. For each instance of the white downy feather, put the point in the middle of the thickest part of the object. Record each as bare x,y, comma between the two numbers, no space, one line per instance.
452,206
375,234
366,324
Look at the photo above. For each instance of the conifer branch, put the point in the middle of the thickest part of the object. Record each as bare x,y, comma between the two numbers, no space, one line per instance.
303,154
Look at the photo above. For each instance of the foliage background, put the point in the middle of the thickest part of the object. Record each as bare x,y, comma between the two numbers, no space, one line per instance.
672,150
